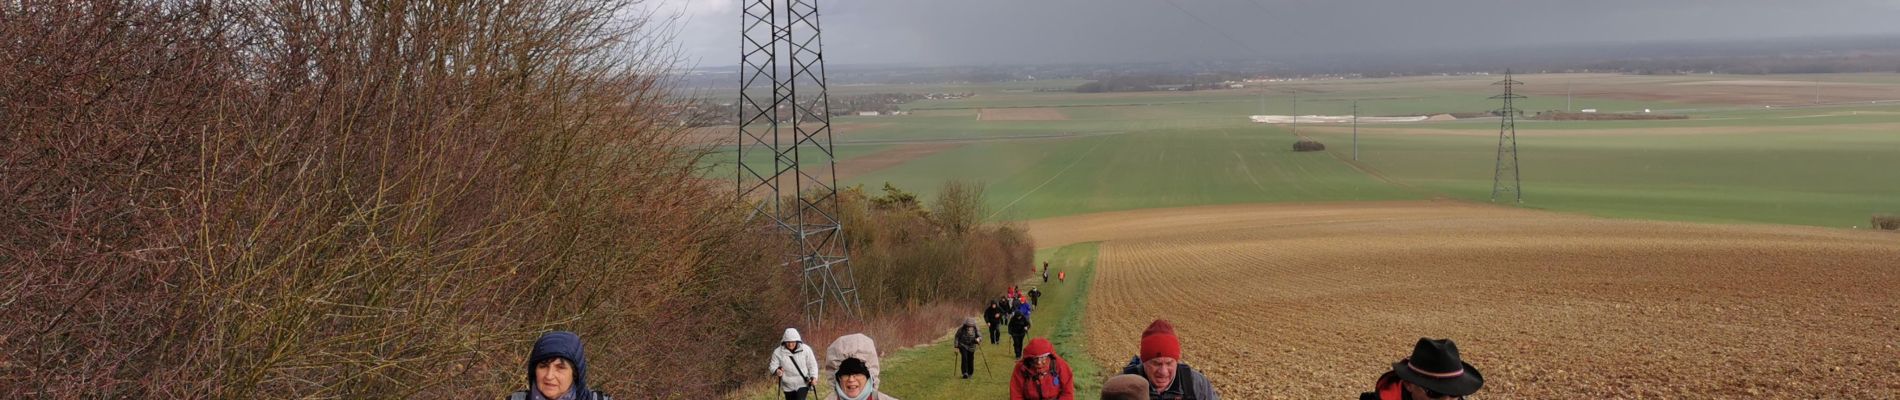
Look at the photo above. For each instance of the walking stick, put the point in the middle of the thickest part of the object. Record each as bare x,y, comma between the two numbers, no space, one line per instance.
986,364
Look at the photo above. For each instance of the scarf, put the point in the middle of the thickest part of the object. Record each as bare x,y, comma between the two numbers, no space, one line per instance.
870,389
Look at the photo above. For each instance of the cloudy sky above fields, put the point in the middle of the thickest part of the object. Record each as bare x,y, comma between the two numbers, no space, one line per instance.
976,32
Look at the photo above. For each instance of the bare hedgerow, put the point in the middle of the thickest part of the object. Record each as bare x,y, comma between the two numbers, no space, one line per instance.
357,200
1885,222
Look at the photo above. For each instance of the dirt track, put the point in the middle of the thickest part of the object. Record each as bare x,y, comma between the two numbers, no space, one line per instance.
1314,301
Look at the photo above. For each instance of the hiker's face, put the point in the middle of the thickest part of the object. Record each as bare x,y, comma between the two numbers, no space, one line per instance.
1160,371
791,345
1419,392
553,377
1039,364
853,385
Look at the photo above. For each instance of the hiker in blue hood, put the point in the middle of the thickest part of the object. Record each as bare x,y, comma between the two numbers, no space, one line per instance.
557,370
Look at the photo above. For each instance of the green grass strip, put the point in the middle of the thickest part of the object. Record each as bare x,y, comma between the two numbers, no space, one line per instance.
930,372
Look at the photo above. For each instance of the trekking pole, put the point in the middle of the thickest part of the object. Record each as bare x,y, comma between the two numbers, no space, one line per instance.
986,364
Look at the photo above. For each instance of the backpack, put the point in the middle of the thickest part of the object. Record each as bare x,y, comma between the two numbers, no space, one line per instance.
523,395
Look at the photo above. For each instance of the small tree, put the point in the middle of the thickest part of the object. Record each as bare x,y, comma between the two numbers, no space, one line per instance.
1308,145
896,199
959,206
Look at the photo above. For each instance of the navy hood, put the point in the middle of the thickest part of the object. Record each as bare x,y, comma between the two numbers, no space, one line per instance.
566,345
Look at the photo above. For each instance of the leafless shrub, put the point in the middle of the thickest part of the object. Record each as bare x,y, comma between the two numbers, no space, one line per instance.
338,199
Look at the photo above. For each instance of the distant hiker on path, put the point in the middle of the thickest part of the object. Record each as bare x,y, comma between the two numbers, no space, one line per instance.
1041,375
1045,272
1035,297
1160,362
967,340
795,366
994,315
1434,371
557,370
1019,327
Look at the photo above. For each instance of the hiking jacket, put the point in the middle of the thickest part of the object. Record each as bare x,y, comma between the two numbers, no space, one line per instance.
861,347
968,337
799,366
565,345
1057,384
1019,325
1387,388
1188,384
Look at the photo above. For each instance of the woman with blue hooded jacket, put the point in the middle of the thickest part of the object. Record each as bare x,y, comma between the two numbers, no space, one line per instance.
557,370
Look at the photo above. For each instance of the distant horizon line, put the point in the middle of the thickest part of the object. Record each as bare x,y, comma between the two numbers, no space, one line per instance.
1579,45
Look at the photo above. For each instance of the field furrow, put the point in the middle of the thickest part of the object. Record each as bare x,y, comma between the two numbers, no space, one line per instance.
1314,301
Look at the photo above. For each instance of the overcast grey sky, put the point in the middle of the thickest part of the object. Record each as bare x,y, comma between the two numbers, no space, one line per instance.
978,32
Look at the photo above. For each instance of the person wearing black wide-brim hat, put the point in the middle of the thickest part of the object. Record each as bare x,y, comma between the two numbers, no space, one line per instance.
1434,371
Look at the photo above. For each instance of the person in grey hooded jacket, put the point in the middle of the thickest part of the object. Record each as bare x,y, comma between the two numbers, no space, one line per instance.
557,370
855,358
795,366
967,340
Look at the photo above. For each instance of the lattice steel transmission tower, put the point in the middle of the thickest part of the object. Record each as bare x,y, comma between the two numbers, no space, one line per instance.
784,111
1505,178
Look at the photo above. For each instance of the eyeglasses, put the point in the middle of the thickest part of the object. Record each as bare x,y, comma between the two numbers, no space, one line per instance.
1436,395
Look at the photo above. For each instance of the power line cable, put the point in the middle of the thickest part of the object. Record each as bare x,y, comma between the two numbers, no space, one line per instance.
1215,28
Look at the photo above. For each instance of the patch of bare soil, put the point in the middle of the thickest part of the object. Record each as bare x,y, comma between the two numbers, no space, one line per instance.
889,157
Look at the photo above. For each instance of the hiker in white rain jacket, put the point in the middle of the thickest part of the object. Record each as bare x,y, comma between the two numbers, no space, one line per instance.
795,366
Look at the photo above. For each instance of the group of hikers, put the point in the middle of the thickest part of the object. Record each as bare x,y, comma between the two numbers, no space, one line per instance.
557,368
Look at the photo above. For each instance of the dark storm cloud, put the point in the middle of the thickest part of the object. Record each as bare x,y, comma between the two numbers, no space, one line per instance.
967,32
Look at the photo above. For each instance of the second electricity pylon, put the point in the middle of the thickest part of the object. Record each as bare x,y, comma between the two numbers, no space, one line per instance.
1504,178
784,111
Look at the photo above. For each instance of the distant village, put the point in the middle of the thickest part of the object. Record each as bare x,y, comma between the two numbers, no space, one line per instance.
707,112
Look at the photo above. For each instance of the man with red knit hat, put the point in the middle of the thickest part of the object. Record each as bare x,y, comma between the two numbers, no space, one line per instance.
1160,363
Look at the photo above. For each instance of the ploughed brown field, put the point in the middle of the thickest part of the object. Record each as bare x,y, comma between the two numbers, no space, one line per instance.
1315,301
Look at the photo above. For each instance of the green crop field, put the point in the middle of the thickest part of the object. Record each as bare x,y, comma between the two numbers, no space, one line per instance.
723,162
1147,169
1043,154
1797,177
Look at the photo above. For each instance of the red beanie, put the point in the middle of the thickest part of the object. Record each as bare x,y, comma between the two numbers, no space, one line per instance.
1159,341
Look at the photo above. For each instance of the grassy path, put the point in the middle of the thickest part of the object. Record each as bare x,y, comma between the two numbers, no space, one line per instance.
930,372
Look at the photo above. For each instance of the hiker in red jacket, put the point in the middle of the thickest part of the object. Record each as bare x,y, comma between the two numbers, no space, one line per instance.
1040,375
1434,371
